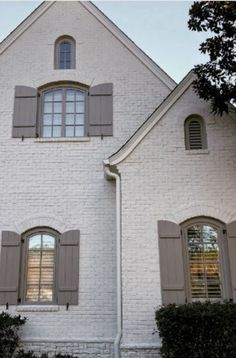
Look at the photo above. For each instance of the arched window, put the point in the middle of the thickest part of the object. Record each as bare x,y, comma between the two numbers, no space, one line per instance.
39,266
63,112
197,260
65,53
195,133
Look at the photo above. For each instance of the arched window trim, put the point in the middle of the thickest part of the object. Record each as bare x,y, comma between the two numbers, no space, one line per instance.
223,254
62,85
58,42
203,138
24,263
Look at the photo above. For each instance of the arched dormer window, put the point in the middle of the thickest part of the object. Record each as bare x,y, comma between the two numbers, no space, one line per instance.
65,53
195,133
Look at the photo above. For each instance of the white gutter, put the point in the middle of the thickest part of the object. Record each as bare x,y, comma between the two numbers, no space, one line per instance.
115,176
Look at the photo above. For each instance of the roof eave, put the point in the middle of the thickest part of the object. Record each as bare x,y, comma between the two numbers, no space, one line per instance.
155,117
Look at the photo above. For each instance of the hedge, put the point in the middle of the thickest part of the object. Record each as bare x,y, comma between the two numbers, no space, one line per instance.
198,330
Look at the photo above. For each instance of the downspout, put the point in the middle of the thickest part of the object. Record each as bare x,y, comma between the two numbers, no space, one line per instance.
116,176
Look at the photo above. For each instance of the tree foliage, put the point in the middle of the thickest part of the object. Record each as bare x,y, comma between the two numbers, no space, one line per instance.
216,79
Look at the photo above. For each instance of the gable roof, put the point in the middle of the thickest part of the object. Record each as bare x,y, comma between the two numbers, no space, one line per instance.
102,18
151,121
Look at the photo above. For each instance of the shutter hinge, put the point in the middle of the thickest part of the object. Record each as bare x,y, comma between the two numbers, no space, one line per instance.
101,136
22,241
19,300
224,231
7,306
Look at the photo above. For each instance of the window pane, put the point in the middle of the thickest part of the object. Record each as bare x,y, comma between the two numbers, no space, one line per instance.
47,132
57,119
79,107
47,275
35,242
79,131
46,294
58,95
33,276
48,258
47,107
48,97
65,47
69,131
48,242
57,107
70,95
70,118
47,119
34,258
32,293
79,96
79,119
70,107
56,131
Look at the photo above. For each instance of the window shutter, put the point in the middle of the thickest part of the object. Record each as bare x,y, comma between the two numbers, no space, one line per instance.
231,231
171,263
68,268
101,110
9,267
25,112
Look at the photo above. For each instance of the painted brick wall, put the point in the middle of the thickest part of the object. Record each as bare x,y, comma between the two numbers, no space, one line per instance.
162,181
62,185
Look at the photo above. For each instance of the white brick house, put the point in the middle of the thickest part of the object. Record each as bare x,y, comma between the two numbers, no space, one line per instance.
80,105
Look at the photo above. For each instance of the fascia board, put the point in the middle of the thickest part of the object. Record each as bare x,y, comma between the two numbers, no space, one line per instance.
133,142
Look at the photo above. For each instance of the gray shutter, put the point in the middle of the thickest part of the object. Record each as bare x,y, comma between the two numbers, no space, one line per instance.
68,268
171,263
101,110
25,112
9,267
231,234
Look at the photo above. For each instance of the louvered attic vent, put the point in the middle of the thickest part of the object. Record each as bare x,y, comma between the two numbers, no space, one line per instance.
195,134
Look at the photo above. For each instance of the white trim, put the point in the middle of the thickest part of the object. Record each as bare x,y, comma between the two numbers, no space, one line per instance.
151,122
135,346
129,44
20,29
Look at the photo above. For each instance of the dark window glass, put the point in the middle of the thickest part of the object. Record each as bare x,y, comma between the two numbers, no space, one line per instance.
65,54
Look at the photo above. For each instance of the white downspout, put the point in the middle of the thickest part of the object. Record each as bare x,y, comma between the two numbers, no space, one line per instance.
118,259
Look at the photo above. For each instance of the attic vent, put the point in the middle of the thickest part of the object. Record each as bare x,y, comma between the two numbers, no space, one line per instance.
195,135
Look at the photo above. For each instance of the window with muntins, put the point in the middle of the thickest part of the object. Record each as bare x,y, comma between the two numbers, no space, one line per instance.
40,259
195,133
65,53
63,112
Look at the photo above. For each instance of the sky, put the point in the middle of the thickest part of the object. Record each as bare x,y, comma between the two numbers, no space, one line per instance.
159,28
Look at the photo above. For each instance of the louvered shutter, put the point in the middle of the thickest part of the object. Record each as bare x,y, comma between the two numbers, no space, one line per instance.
9,267
231,234
68,268
171,263
101,110
25,112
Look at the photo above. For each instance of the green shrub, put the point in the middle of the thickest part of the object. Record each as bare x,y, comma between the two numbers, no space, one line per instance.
9,338
198,330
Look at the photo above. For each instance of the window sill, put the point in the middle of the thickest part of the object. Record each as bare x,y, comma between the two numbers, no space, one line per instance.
37,308
197,151
61,140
